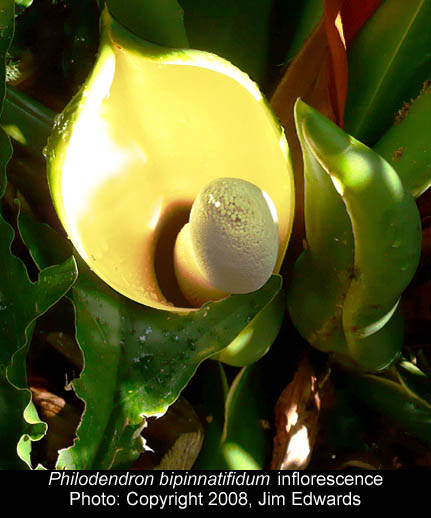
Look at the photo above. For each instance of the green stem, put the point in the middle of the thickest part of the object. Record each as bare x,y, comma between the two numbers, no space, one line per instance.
26,120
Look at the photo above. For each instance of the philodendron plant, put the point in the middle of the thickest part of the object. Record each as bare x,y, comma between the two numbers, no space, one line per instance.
153,239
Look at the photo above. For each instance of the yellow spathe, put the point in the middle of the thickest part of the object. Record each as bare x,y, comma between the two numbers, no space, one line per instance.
149,129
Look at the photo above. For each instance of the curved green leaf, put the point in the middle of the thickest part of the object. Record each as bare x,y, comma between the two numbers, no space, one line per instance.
245,440
236,436
213,389
414,380
345,292
323,272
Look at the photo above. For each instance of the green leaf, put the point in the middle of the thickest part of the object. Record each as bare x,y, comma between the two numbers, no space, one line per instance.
158,21
245,440
237,30
236,436
414,380
21,303
411,413
5,154
213,389
24,3
353,303
26,121
407,144
322,273
137,359
306,15
7,12
388,61
174,440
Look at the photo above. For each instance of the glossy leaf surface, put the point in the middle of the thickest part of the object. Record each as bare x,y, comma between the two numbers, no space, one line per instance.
407,143
236,434
388,62
355,301
21,303
137,359
245,440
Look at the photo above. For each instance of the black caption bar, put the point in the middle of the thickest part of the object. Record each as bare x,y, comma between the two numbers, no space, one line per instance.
170,491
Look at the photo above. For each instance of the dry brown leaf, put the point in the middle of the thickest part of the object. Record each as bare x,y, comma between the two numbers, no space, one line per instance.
183,452
49,404
336,64
174,440
297,419
61,417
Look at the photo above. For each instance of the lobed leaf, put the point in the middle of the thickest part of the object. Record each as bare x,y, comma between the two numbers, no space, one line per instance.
21,303
137,359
